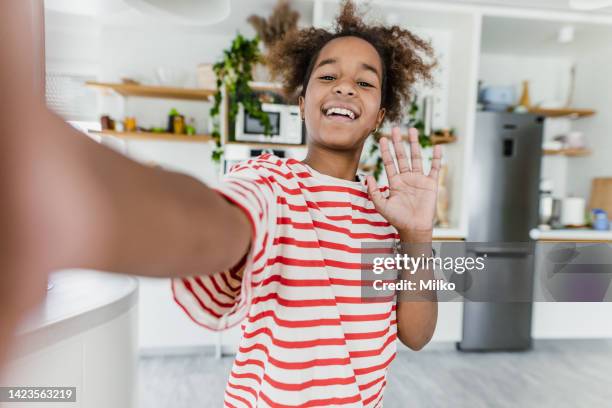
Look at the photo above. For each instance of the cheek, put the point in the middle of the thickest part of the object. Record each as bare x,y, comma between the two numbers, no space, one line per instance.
372,107
311,100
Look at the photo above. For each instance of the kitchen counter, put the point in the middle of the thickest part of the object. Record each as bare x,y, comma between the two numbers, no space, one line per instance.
448,234
571,234
83,335
77,301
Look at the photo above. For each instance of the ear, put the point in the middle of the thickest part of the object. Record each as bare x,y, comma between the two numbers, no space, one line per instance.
380,118
301,102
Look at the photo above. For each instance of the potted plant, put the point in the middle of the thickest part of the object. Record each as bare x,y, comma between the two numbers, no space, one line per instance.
282,20
234,73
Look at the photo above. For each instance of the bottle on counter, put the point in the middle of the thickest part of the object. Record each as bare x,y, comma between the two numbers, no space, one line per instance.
190,127
129,124
178,122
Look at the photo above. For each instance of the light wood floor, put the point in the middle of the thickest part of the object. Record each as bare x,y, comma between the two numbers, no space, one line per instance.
559,373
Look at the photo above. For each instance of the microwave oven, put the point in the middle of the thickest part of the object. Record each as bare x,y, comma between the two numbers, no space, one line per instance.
286,124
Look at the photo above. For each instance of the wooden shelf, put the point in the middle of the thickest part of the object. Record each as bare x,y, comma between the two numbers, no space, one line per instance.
154,136
256,145
147,91
567,152
555,113
442,139
434,139
266,86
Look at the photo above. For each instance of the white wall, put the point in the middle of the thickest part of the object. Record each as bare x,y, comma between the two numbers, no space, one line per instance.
595,91
72,43
548,76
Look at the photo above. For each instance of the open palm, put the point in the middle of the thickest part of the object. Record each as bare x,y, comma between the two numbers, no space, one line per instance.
411,203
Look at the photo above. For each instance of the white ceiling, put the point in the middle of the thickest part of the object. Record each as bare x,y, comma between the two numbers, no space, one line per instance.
537,37
137,13
98,7
119,12
558,5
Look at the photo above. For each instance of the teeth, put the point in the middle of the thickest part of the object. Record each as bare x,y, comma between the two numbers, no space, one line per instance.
340,111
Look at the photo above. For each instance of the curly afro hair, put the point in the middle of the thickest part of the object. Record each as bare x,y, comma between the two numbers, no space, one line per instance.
405,57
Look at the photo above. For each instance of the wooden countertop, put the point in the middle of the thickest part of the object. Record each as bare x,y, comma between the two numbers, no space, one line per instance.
448,234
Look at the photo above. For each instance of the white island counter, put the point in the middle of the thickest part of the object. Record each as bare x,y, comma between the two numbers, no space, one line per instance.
83,335
570,234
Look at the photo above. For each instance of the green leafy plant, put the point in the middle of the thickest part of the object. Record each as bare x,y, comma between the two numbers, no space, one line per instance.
234,72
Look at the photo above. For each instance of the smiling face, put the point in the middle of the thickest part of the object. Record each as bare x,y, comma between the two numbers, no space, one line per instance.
342,102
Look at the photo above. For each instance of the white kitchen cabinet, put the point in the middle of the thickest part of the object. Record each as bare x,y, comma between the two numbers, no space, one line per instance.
83,335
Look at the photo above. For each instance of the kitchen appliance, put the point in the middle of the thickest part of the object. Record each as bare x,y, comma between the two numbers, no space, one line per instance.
504,181
572,212
546,204
285,120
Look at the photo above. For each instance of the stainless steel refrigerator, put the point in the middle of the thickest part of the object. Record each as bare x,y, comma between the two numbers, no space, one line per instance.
504,198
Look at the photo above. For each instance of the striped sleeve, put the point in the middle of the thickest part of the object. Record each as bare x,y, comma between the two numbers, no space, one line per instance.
222,300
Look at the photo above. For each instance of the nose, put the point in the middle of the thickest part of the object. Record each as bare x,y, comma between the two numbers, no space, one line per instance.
344,88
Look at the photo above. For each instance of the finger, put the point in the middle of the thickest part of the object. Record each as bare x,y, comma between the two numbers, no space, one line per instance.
387,159
436,163
400,151
377,197
415,151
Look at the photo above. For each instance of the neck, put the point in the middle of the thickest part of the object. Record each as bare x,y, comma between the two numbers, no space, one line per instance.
341,164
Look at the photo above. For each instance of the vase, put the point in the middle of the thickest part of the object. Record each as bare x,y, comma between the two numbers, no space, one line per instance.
525,99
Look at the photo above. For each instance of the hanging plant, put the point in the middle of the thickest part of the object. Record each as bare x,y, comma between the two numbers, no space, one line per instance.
234,72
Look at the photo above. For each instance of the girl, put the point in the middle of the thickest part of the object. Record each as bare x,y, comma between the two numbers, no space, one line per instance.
309,339
276,247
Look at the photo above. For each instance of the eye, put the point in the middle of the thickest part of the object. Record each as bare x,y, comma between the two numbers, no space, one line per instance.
364,84
327,78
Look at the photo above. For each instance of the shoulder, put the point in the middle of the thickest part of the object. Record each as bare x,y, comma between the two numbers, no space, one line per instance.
280,174
269,166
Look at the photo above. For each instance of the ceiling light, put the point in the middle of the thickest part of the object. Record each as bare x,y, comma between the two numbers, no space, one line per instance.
192,12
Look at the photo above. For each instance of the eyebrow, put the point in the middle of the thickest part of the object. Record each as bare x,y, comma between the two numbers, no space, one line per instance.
365,66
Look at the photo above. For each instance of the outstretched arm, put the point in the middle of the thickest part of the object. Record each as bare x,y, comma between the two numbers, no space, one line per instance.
68,202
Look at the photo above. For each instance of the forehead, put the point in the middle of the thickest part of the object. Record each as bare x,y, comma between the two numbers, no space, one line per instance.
350,49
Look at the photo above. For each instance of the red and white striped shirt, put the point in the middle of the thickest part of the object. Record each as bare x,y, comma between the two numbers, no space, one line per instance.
308,338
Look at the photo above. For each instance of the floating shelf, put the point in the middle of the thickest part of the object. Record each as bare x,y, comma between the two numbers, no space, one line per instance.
567,152
555,113
147,91
266,86
256,145
442,139
434,139
154,136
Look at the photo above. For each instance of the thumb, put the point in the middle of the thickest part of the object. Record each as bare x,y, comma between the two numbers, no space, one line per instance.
377,198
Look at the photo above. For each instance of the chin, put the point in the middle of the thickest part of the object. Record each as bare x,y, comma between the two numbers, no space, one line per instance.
340,137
